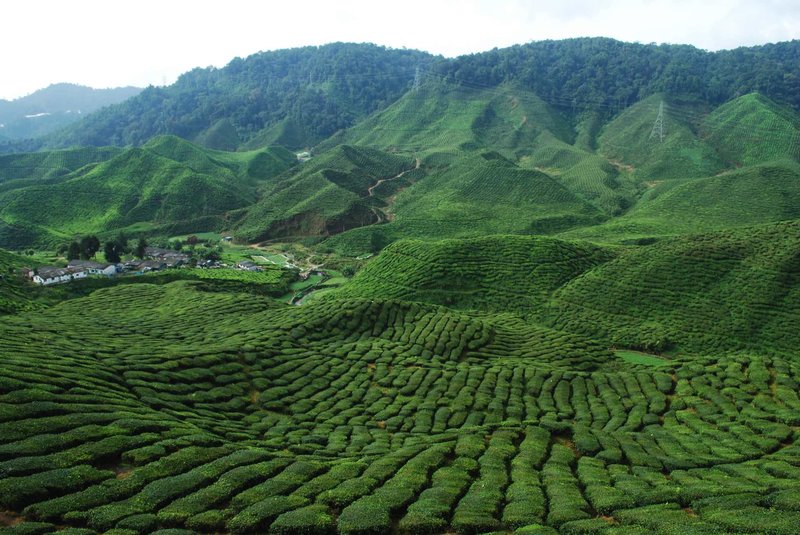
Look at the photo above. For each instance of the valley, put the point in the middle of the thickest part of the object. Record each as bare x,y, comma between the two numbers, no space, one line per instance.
501,293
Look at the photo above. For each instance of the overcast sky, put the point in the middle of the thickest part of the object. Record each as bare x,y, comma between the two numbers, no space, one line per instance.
110,43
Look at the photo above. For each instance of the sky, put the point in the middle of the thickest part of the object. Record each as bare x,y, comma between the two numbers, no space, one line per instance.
113,43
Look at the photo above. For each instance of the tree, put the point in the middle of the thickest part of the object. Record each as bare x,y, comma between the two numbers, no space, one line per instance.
138,252
112,251
122,243
73,251
89,246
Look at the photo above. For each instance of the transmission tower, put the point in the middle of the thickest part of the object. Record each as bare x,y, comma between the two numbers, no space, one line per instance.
417,79
658,126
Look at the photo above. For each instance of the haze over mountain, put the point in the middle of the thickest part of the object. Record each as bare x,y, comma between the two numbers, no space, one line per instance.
54,107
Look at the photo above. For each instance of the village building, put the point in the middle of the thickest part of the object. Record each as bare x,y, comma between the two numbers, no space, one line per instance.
171,258
93,268
247,265
51,275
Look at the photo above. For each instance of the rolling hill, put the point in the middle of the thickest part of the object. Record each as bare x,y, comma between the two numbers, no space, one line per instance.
703,293
536,314
168,183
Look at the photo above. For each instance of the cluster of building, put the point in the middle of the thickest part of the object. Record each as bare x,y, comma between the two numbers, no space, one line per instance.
76,269
155,258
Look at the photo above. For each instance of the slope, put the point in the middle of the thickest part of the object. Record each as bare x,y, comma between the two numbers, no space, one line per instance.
167,184
328,194
38,166
479,193
583,172
451,117
491,273
627,140
14,296
323,89
752,129
711,293
762,193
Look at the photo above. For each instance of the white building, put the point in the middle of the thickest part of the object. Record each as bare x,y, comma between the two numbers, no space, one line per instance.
93,268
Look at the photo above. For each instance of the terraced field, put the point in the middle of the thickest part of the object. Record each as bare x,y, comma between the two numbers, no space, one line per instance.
225,412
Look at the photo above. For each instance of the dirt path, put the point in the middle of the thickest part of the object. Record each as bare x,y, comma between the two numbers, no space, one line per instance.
382,214
370,190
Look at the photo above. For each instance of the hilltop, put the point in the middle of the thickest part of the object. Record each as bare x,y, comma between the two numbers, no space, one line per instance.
294,98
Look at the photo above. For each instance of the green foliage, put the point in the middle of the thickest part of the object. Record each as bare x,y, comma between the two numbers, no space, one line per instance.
327,195
166,183
459,382
701,293
495,273
321,89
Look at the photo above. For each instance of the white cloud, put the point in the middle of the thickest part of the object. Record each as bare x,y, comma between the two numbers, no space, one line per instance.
105,43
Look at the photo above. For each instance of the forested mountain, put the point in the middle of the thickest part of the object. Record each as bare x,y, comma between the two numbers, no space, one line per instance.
311,91
54,107
298,97
609,74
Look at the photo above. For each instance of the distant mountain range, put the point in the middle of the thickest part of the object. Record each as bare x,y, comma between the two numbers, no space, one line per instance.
54,107
298,97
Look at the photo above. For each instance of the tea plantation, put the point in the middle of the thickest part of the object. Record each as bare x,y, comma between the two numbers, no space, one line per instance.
505,299
169,408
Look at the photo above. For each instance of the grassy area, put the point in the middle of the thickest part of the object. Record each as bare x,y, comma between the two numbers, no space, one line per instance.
637,357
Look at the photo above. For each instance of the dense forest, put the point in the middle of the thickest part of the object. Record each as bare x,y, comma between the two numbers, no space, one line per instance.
321,89
300,96
603,72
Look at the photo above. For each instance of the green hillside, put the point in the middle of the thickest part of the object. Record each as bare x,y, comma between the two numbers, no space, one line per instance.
705,293
759,194
493,273
443,117
14,296
753,129
168,183
629,140
720,292
477,194
38,166
321,89
587,174
316,91
329,194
